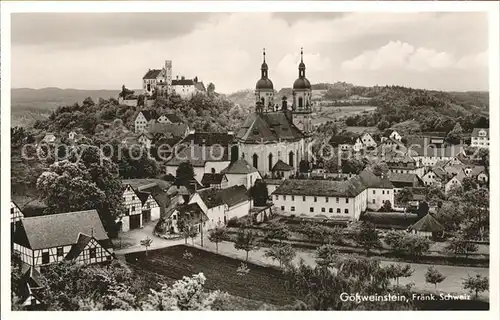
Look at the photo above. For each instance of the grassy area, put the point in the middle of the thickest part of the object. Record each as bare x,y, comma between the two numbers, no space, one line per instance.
260,284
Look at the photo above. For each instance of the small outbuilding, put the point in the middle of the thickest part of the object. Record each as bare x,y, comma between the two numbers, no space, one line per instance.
428,226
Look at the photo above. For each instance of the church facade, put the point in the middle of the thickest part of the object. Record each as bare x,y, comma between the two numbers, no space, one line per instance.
273,133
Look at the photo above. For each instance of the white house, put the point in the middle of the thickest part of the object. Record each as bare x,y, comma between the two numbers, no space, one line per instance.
150,207
431,155
187,88
191,213
379,190
323,198
78,236
367,140
169,118
480,138
436,176
391,134
454,182
145,139
212,204
133,216
143,119
241,172
237,202
215,180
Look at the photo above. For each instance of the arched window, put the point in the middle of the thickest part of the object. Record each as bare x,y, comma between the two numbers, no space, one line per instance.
255,159
290,158
270,157
213,170
301,102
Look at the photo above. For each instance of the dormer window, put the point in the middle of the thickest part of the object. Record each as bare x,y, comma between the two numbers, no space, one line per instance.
482,133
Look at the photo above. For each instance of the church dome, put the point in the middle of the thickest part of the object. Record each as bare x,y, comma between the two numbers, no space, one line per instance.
302,83
264,83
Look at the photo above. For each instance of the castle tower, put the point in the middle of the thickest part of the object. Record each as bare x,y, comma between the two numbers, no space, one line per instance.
264,89
168,75
302,99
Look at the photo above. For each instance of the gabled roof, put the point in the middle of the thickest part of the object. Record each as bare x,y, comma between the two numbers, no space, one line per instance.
448,152
148,114
144,196
240,166
282,166
428,224
370,180
57,230
439,172
211,197
172,117
198,155
476,170
268,127
78,247
234,195
338,140
209,138
475,132
400,180
212,178
327,188
192,212
460,175
176,130
152,74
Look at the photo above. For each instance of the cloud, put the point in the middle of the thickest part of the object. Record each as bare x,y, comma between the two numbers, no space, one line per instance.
401,55
478,60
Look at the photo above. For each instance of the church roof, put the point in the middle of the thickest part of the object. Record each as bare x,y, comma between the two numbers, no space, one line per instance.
302,83
152,74
240,166
268,127
264,83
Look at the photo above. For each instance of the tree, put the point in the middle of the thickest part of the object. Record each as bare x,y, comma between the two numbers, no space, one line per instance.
326,255
210,89
403,243
367,236
476,284
259,193
146,242
192,232
278,230
423,209
184,174
434,276
387,207
404,196
283,253
460,245
317,232
380,170
383,124
247,241
454,136
217,235
397,271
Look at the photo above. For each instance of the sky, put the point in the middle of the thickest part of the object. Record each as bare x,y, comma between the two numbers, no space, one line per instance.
443,51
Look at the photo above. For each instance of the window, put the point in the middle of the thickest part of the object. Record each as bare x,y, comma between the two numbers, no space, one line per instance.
284,197
92,252
383,191
270,157
292,209
174,217
373,201
277,197
12,210
326,199
373,191
255,160
337,200
338,210
388,191
60,252
311,209
346,200
315,199
133,197
323,210
330,210
293,198
282,208
304,198
133,208
45,257
346,211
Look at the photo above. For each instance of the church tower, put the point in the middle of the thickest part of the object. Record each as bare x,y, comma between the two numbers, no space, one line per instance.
302,99
168,75
264,89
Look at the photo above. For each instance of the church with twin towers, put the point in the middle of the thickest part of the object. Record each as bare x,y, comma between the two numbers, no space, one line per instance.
273,138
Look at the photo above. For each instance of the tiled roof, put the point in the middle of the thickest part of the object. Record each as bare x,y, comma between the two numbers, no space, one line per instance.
372,181
212,178
152,74
328,188
338,140
78,247
400,180
428,224
211,197
148,114
440,172
448,152
57,230
239,167
234,195
475,132
177,130
172,117
281,166
183,82
268,127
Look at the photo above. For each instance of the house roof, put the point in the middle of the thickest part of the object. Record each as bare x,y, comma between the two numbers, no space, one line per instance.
477,170
172,117
148,114
440,172
268,127
428,224
211,197
327,188
448,152
60,229
143,184
404,180
79,246
370,180
198,155
183,82
178,190
209,138
152,74
240,166
282,166
200,86
177,130
234,195
337,140
454,169
475,132
212,178
387,132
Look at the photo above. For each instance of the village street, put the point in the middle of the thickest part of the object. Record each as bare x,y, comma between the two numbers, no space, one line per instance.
452,283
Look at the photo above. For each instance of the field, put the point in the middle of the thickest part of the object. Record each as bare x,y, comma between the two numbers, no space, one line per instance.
261,283
324,114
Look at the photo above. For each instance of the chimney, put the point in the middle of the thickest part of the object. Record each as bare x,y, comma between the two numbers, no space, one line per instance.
177,77
230,133
192,131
